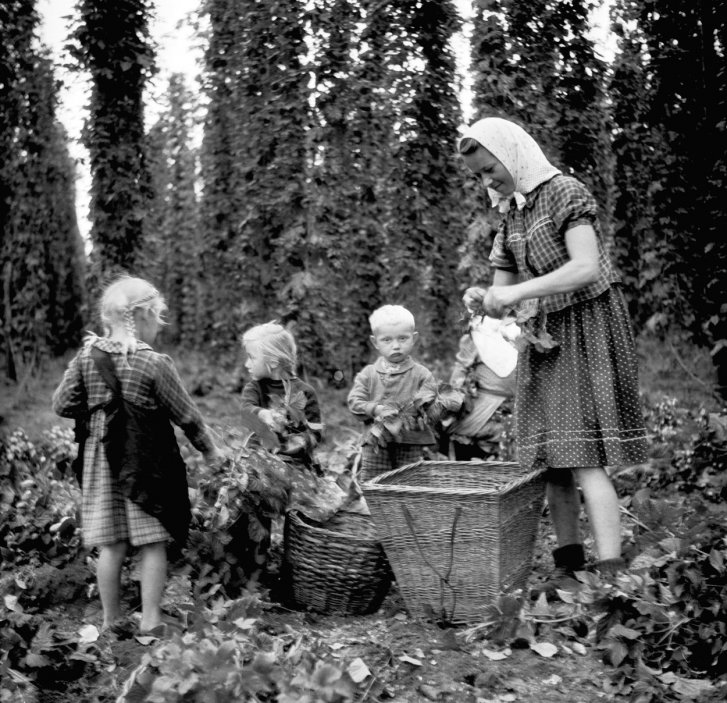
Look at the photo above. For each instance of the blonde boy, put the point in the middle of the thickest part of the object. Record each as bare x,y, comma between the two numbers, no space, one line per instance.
381,390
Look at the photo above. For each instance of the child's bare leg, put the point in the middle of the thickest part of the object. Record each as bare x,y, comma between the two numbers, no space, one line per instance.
108,577
565,506
601,503
153,578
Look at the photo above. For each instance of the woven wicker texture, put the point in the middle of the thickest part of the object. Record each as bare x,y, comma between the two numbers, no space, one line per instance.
337,567
457,533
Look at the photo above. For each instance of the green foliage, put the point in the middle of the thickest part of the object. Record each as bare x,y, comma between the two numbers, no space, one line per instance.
173,241
111,42
232,655
534,62
419,412
688,451
345,183
41,562
424,216
234,504
252,162
669,92
41,258
38,505
659,626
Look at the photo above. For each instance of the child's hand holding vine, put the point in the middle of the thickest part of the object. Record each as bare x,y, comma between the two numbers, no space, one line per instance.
274,420
381,412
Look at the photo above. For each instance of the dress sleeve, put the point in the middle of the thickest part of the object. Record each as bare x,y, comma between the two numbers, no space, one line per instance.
500,256
359,398
251,398
571,204
70,398
183,411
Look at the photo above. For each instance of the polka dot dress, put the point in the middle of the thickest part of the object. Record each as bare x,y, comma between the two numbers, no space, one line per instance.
578,404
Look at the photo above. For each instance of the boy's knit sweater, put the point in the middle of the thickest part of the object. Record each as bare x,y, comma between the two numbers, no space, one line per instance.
379,384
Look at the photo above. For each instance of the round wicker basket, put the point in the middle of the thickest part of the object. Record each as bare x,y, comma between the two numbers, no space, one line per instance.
337,567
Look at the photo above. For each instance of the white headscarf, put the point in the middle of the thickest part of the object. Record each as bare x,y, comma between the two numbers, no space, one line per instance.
518,152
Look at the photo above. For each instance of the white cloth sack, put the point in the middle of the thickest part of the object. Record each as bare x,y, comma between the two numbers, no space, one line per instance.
494,350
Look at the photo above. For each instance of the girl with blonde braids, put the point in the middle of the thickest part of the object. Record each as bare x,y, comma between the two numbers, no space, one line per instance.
136,493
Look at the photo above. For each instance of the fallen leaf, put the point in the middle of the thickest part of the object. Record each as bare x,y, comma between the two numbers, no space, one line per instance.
146,639
566,596
36,661
544,649
245,623
358,671
494,656
430,692
11,603
628,633
88,634
579,648
692,688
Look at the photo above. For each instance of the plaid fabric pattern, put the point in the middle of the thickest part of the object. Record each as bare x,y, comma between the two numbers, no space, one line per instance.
531,241
149,380
107,516
378,460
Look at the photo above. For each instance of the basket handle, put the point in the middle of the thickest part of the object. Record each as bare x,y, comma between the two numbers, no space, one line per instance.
444,580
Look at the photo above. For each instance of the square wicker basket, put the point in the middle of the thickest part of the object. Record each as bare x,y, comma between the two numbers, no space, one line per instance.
457,534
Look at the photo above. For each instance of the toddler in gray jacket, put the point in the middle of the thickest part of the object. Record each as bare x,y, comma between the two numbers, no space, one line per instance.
393,396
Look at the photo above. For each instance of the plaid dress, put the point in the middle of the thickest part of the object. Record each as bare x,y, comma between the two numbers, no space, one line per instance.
577,405
149,380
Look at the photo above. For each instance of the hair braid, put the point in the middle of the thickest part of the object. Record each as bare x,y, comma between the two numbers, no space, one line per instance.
129,323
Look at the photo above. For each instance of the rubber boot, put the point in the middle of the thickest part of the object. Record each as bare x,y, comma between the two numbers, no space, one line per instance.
568,559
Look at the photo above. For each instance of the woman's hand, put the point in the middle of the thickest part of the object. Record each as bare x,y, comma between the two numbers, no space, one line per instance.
499,300
473,299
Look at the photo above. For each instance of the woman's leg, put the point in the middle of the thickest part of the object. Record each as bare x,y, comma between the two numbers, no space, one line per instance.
108,576
565,507
153,579
564,504
604,516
